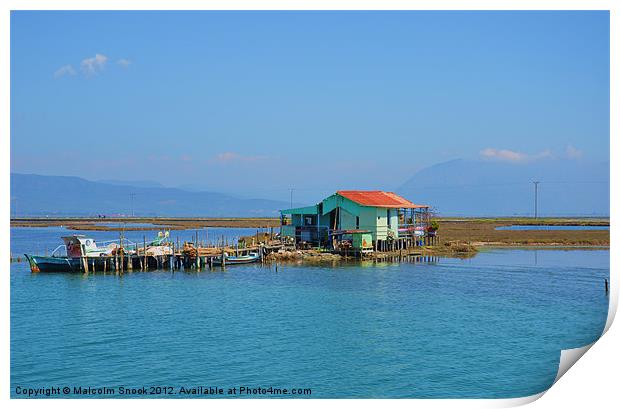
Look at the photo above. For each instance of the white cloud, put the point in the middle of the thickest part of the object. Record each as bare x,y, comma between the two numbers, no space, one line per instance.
503,155
64,70
227,157
573,153
123,62
506,155
93,65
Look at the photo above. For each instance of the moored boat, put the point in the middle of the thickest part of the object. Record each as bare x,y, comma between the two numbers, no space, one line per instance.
83,254
230,260
76,247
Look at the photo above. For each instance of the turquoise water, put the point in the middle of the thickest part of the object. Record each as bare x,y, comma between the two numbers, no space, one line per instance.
490,326
545,227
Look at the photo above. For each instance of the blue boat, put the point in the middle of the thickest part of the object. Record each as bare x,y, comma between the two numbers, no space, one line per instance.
230,260
53,264
70,256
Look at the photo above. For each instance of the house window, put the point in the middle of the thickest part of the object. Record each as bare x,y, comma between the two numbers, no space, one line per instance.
389,219
357,222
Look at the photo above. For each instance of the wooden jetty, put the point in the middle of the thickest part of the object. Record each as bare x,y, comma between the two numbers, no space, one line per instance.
86,256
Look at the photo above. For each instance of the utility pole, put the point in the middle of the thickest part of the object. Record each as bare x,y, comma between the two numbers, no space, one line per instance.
536,199
131,196
291,189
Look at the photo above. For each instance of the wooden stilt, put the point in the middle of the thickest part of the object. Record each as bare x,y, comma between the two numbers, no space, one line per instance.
144,249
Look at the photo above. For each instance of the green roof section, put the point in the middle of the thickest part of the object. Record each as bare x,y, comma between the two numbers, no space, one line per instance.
301,210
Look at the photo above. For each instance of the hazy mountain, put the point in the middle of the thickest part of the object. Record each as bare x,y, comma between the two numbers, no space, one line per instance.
66,195
495,188
137,183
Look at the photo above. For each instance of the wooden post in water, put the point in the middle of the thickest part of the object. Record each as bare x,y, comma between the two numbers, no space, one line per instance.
144,249
122,253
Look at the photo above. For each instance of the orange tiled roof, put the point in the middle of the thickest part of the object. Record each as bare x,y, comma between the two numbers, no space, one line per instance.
378,198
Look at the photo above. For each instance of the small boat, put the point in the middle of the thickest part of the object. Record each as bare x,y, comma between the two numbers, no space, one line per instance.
76,247
229,260
81,253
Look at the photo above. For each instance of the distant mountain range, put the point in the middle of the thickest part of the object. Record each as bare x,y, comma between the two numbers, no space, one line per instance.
495,188
455,188
136,183
36,195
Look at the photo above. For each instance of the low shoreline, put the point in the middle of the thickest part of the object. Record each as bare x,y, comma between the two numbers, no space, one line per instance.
157,223
475,231
461,251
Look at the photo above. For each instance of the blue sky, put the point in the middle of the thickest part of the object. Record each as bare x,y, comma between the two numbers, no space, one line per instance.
259,102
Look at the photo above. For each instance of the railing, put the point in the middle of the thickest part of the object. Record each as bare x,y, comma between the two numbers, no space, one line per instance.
409,230
62,246
125,243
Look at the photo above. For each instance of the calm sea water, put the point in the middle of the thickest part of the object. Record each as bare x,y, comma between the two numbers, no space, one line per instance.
545,227
490,326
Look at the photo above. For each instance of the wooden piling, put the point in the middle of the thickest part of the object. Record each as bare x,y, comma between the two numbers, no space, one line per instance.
122,252
144,249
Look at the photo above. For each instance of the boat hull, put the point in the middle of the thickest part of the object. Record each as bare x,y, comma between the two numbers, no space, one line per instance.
231,260
41,264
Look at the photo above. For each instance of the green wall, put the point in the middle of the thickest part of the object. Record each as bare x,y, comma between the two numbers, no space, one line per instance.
374,219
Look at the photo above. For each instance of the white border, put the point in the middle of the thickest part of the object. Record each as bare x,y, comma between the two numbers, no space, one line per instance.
593,381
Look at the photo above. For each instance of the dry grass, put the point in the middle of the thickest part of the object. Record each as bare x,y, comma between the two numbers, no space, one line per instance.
481,232
172,223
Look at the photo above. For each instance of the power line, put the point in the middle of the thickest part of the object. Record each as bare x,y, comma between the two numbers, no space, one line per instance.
536,199
505,184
